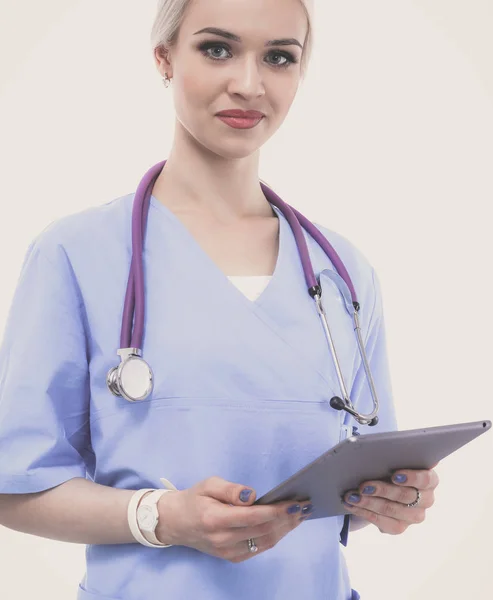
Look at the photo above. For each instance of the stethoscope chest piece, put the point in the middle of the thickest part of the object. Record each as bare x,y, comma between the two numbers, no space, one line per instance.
133,378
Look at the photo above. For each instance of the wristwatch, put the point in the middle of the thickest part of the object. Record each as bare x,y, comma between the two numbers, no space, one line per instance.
148,516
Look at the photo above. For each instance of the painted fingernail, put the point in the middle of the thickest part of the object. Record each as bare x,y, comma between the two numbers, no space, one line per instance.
400,478
369,489
245,495
354,498
293,509
307,510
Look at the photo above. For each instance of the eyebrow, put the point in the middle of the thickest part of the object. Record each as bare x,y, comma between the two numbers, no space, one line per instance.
237,38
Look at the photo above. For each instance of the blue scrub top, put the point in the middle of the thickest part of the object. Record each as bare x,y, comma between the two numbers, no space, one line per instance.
241,391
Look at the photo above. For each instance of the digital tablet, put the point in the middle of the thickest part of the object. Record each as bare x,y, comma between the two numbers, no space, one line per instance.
364,457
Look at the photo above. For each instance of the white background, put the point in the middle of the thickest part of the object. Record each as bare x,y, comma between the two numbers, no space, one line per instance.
389,142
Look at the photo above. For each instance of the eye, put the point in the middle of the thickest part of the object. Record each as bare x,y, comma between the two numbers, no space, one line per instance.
287,57
206,47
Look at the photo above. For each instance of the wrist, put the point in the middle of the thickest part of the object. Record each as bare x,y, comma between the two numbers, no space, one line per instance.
164,530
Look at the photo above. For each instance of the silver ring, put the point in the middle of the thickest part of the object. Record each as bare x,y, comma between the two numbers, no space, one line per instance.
416,502
252,546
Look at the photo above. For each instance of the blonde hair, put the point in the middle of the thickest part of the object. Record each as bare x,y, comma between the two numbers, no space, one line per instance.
170,13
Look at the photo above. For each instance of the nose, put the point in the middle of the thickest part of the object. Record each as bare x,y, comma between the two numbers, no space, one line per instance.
247,79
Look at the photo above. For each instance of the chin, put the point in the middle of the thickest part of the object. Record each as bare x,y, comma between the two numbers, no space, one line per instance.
235,153
230,149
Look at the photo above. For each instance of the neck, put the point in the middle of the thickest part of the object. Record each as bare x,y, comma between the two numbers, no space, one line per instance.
195,179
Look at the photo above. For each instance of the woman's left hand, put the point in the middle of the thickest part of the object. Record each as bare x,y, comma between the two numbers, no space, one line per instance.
385,504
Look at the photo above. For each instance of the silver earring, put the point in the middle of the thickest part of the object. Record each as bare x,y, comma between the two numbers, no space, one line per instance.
166,80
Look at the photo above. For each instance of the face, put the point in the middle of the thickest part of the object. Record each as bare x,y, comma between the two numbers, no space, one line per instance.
212,73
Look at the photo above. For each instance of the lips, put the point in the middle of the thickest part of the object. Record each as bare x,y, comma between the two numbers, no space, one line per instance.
241,114
240,122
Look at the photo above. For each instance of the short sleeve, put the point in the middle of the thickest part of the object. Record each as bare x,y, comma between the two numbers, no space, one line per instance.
44,381
376,351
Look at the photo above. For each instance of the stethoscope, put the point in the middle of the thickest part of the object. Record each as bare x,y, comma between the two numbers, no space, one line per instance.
133,378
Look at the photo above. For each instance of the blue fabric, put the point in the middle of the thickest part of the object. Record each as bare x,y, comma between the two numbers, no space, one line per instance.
241,391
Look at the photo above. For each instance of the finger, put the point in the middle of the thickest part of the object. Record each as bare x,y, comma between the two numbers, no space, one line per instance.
422,480
252,516
389,508
226,491
241,551
288,522
397,493
384,523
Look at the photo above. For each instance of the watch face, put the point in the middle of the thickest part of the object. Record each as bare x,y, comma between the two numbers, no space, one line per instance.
146,518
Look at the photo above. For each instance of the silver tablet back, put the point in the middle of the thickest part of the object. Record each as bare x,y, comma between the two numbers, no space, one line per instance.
370,456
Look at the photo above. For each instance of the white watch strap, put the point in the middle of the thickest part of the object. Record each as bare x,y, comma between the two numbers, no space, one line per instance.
132,517
152,500
132,514
167,484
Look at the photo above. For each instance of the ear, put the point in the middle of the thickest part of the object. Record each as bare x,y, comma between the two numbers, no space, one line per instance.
161,58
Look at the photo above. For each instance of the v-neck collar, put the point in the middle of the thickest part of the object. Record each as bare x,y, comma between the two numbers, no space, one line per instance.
284,308
218,274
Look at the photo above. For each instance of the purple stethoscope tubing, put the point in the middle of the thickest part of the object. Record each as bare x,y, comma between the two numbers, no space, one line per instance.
134,297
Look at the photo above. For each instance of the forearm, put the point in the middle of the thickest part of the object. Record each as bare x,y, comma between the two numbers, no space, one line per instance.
78,511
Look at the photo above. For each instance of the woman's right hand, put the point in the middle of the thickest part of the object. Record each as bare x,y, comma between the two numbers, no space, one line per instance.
202,517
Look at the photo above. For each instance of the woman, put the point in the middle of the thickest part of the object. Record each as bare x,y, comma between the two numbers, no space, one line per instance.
242,374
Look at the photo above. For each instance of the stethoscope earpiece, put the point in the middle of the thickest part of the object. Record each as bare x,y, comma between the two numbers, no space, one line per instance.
337,403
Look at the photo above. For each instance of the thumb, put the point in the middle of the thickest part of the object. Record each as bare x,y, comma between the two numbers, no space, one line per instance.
228,492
